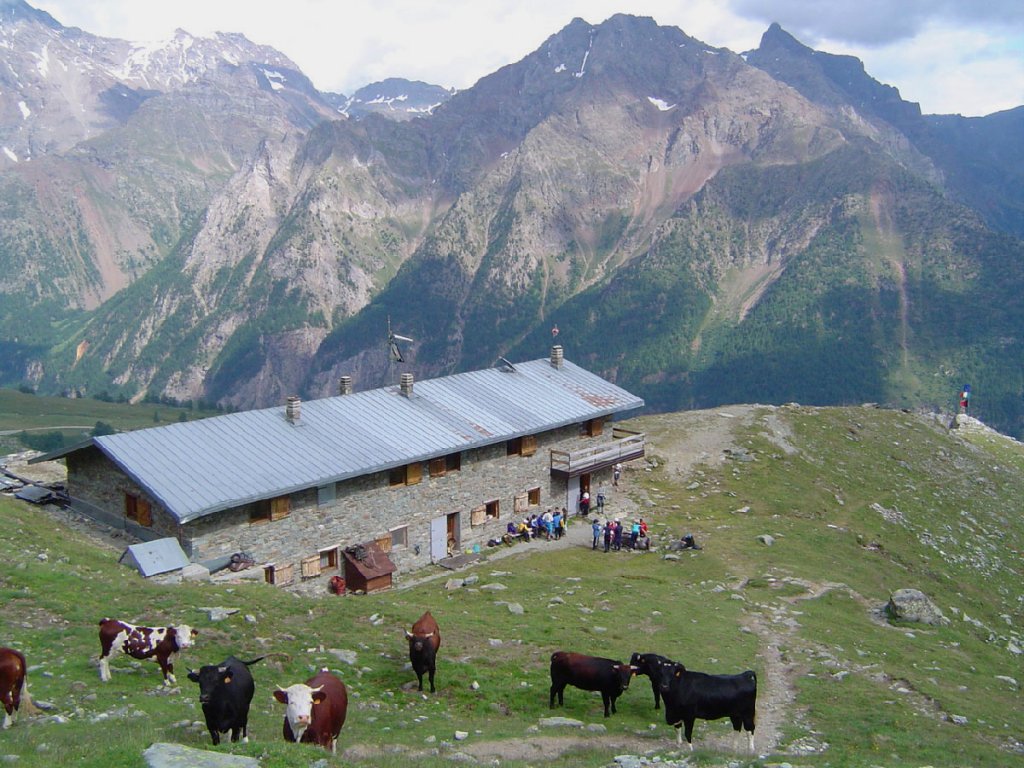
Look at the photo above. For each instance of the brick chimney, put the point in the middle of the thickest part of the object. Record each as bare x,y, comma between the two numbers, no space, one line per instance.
293,409
405,384
345,385
556,356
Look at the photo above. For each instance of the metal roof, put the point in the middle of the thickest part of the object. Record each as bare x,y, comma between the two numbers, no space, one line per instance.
153,557
201,467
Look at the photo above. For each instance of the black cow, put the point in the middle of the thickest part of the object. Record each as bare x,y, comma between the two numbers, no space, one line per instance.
655,667
225,692
691,695
589,673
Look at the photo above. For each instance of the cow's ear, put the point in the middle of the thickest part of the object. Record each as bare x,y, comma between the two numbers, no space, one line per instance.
227,679
193,676
281,695
318,696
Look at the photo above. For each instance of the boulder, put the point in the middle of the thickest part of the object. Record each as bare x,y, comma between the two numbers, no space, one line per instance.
179,756
914,605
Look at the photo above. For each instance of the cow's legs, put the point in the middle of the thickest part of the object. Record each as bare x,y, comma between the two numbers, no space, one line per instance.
432,689
214,736
689,731
104,669
7,720
605,698
555,690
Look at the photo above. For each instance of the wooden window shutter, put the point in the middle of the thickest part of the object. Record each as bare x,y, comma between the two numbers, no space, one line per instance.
311,566
384,543
284,574
521,502
413,473
478,515
279,508
144,513
595,427
529,445
438,467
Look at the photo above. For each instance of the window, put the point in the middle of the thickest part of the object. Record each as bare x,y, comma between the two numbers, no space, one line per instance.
279,574
594,427
521,446
329,558
534,497
410,474
441,466
265,510
325,495
400,537
492,510
137,509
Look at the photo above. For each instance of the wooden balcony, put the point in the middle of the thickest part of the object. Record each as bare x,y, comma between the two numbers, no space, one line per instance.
625,446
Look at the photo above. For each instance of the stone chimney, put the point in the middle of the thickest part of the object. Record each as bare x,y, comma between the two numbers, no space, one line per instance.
405,385
556,356
293,409
345,385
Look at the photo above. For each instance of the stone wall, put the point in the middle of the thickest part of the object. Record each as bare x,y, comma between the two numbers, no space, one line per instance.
95,479
363,509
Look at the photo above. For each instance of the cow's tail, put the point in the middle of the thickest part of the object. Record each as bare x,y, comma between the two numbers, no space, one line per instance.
28,706
286,656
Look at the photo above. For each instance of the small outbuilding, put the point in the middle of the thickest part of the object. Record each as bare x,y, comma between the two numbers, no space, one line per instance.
154,557
367,568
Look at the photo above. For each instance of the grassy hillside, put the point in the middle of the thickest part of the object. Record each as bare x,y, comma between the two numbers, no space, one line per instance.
73,418
860,502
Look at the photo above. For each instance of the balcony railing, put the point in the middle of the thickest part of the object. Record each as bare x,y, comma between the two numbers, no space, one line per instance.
626,446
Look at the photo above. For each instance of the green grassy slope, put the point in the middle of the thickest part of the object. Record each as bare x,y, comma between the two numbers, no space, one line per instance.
860,502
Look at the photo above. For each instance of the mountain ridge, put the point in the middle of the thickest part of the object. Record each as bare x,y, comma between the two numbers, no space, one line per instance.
623,180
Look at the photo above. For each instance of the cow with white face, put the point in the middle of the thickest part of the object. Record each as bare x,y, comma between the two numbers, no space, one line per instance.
315,710
163,643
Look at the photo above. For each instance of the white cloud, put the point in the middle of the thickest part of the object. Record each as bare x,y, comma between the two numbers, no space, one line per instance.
342,46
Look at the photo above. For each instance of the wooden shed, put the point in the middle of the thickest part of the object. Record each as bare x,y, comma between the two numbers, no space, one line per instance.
367,568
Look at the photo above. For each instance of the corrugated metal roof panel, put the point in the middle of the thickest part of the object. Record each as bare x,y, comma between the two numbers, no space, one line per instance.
201,467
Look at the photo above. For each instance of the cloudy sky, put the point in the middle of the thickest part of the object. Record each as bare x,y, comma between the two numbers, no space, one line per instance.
951,56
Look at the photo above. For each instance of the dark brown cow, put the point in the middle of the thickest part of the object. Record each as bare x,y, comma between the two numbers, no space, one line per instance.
143,643
315,710
589,673
14,685
424,640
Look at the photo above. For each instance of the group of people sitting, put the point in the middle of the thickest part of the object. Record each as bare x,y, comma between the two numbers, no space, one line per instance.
550,525
615,535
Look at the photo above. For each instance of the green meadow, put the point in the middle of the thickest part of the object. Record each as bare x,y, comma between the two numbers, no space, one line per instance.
858,502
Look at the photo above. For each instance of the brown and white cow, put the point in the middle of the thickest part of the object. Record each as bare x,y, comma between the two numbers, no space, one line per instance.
315,710
143,643
424,640
14,685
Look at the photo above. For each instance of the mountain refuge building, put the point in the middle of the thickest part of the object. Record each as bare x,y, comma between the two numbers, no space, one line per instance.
421,471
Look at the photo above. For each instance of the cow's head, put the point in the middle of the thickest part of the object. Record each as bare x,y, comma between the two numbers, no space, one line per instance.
210,679
625,672
669,673
184,636
299,700
419,642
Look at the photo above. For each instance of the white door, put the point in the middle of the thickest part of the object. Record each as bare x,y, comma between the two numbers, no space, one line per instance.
438,538
572,495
